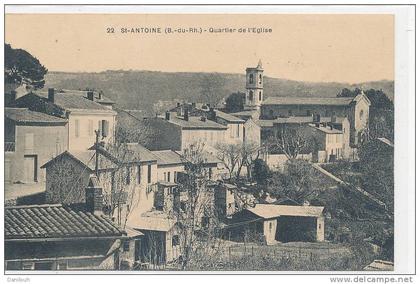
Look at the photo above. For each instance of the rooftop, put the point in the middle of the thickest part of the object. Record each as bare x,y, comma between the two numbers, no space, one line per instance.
167,157
295,120
26,116
380,265
228,117
70,100
55,221
268,211
342,101
152,221
327,129
195,122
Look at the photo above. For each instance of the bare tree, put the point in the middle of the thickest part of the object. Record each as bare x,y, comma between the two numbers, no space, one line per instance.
289,141
196,216
230,155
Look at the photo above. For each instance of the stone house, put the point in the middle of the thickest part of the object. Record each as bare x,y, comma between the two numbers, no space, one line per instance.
84,112
58,237
280,223
31,139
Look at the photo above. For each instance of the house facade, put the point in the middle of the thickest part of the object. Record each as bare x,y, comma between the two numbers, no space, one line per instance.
355,109
31,139
84,114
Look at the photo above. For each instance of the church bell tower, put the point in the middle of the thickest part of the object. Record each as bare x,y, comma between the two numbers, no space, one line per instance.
254,86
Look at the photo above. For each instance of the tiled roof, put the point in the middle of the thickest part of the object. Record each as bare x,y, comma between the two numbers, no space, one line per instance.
228,117
55,221
87,158
23,116
307,101
73,101
152,221
140,153
268,211
167,157
97,96
127,153
195,122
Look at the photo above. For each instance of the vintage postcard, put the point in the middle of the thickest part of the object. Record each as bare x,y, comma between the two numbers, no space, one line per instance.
208,139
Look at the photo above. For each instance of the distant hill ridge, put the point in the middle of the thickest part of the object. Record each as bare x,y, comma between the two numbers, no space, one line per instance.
143,89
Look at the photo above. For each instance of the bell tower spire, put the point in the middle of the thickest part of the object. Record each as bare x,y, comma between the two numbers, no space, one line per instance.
254,86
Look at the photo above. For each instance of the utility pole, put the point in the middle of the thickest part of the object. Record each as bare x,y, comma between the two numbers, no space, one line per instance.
97,133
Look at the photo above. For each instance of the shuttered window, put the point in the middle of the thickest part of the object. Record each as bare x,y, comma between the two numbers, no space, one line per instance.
76,128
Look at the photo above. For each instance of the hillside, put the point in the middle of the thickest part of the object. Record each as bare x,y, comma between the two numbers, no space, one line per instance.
143,89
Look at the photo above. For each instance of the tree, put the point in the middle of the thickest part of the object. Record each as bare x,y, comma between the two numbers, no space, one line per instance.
289,141
230,155
261,171
298,182
211,88
197,217
235,102
20,67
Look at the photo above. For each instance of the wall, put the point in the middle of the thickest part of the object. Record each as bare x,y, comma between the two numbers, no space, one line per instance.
270,228
88,123
234,134
173,169
48,141
66,181
76,254
252,132
271,111
210,137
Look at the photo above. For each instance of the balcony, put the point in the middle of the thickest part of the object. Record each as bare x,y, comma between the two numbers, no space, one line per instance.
9,146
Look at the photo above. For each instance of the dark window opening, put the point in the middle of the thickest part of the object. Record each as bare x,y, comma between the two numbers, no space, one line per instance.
175,240
251,78
126,245
138,174
149,173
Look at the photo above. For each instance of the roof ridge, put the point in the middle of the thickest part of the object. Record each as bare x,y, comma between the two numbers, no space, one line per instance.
34,206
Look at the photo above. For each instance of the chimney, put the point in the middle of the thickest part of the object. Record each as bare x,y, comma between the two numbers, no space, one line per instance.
186,114
94,197
90,95
212,114
100,95
51,94
193,105
167,115
178,104
203,118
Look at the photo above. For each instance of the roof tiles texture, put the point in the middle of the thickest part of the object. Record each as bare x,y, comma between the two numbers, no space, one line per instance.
24,115
167,157
55,221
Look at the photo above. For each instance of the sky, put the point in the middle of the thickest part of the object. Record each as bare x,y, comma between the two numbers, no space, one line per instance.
350,48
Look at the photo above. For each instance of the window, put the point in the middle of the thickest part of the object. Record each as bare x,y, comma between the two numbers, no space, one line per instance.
260,96
29,141
149,173
169,176
270,226
361,114
251,96
210,173
27,266
90,127
251,78
126,245
175,176
139,174
127,177
205,221
260,80
290,112
175,240
76,128
164,176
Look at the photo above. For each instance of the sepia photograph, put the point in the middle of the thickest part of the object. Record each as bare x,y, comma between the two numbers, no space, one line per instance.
202,142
